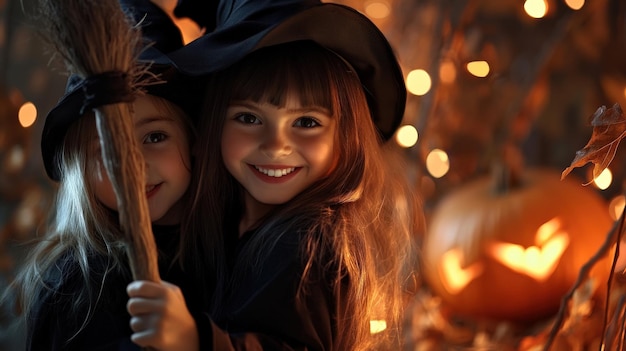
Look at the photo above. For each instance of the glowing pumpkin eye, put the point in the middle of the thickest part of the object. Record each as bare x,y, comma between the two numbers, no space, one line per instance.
537,262
455,276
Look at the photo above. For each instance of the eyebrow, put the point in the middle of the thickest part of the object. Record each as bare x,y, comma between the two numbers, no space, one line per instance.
151,119
303,109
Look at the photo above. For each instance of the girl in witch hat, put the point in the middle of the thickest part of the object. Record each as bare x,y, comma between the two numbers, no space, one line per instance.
72,287
318,221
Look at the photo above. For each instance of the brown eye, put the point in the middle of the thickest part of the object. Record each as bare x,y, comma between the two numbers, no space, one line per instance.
307,122
247,118
153,138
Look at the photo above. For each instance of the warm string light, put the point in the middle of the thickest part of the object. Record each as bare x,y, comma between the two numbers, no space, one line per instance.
407,136
377,9
27,114
437,163
575,4
604,179
418,82
536,8
478,68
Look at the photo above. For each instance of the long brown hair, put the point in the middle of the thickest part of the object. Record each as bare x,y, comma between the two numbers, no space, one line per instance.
359,217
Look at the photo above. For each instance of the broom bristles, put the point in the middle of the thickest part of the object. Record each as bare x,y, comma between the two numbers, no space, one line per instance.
92,36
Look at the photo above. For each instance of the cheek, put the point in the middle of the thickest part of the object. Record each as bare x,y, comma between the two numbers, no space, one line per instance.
235,146
101,184
321,154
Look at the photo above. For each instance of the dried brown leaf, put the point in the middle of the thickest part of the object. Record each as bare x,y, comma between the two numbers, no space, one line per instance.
609,128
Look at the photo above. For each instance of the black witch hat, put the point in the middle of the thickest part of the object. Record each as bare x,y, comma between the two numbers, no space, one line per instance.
243,26
160,36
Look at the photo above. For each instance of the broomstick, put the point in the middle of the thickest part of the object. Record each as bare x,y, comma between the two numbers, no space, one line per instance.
97,42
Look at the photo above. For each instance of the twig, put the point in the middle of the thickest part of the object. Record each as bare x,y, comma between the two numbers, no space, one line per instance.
582,275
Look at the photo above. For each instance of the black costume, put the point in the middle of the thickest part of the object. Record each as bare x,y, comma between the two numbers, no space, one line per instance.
51,326
261,311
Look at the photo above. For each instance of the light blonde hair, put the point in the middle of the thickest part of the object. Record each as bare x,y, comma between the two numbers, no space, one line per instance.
80,227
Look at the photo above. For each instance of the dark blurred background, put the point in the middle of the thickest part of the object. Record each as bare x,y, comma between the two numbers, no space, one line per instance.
543,68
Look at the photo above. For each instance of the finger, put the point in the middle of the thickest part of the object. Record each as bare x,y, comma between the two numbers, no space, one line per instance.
144,288
143,338
138,324
138,306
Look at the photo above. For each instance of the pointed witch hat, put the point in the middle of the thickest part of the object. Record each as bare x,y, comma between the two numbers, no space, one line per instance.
243,26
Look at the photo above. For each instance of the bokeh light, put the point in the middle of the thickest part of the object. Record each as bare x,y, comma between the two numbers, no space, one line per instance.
407,136
478,68
437,163
604,180
575,4
418,82
27,114
536,8
377,9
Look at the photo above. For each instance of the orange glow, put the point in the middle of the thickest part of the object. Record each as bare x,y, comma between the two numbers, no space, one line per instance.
478,68
455,277
537,262
27,114
575,4
536,8
447,72
377,9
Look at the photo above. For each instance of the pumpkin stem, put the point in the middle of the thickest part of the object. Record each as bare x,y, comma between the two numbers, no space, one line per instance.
507,171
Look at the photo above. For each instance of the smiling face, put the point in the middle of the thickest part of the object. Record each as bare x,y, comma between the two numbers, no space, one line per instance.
277,152
164,143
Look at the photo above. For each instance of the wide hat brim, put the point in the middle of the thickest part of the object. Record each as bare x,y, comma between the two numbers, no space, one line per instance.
336,27
181,90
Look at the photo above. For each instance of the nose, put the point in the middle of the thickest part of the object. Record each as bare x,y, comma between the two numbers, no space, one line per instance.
276,143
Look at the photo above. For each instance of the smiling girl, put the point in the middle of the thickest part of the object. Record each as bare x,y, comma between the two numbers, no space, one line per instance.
319,221
72,286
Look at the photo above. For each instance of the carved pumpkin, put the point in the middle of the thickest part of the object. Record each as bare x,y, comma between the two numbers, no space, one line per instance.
513,255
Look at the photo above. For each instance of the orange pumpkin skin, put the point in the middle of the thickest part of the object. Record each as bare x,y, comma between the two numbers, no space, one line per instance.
473,218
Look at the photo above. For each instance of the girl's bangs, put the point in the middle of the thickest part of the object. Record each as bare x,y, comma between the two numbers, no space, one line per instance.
270,74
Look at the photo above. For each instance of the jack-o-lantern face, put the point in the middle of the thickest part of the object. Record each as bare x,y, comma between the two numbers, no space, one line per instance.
513,256
537,261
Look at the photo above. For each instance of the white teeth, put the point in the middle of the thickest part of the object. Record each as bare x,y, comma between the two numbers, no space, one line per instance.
277,173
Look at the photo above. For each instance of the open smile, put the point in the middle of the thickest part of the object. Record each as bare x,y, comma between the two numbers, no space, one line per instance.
275,174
